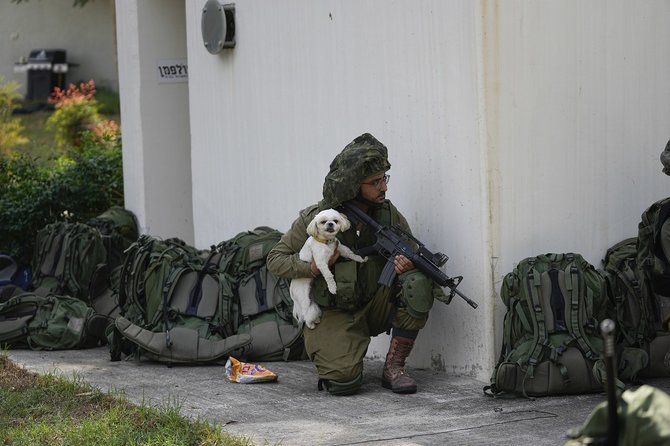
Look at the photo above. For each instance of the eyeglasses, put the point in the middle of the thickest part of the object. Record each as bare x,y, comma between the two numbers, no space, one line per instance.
378,183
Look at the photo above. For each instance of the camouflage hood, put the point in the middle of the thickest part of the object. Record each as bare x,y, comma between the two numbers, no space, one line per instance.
362,157
665,159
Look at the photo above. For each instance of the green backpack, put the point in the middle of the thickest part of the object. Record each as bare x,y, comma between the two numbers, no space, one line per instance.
265,305
118,229
550,341
652,262
654,271
66,255
49,322
173,307
246,252
629,309
220,301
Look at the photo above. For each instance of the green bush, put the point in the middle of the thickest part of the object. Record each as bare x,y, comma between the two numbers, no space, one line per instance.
76,113
84,183
11,128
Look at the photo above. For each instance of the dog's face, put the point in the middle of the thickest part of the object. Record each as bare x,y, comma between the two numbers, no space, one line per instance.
326,224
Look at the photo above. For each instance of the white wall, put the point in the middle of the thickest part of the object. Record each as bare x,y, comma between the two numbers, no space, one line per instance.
583,116
514,128
305,78
156,134
576,117
87,34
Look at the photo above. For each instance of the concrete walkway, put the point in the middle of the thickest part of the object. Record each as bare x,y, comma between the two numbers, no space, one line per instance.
446,411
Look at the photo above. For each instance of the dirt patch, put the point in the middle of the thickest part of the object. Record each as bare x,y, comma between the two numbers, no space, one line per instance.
14,377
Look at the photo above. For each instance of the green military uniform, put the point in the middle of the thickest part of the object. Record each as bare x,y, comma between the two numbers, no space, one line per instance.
361,308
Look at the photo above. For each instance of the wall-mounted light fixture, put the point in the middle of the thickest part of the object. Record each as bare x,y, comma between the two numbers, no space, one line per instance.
218,26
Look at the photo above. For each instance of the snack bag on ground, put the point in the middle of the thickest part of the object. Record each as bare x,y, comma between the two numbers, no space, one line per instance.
247,373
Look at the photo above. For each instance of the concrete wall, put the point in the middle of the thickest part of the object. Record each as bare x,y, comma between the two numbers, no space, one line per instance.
87,34
305,79
156,135
514,128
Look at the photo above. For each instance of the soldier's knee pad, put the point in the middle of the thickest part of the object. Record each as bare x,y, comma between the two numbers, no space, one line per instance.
417,293
341,388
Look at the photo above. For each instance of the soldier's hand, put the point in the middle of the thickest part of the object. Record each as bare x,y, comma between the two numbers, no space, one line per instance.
402,264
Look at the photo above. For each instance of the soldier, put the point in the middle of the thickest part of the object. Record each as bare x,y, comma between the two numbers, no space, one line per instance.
361,308
665,228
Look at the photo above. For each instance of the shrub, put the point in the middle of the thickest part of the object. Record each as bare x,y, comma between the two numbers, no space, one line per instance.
84,183
85,180
10,127
76,112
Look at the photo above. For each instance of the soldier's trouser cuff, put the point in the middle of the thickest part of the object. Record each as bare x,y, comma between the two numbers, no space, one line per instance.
339,388
409,334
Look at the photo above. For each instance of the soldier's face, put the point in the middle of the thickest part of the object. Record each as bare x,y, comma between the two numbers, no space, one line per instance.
374,187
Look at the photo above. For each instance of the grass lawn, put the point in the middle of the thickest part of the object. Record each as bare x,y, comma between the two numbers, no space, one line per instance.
41,141
50,410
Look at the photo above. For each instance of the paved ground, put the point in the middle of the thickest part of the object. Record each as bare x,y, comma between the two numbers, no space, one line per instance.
446,411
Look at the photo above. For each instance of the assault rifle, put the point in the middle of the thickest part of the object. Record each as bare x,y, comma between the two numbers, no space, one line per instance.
396,241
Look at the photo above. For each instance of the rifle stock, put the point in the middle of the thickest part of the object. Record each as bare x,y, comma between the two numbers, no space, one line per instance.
394,241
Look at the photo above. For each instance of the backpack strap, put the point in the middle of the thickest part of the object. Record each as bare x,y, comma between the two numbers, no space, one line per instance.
574,283
167,287
66,277
44,258
195,296
518,310
286,310
627,277
261,292
534,283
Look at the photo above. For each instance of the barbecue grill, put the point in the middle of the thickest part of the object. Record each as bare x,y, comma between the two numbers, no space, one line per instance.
46,68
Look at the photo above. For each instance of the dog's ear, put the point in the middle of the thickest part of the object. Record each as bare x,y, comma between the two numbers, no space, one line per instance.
312,229
345,222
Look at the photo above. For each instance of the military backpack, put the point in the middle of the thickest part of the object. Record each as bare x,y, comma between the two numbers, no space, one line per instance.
66,255
629,308
118,229
654,272
264,300
173,307
51,322
550,344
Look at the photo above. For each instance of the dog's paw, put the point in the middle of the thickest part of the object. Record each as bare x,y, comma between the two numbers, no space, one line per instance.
363,259
312,315
312,324
332,285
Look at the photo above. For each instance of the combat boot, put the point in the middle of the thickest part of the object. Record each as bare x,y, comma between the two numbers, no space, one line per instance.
394,376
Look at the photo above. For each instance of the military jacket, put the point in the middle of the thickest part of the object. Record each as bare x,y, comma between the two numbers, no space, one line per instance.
356,282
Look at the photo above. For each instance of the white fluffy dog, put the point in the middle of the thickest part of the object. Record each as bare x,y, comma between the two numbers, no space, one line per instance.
320,246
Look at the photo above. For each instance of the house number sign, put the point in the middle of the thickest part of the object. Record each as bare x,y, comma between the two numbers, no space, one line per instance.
172,70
